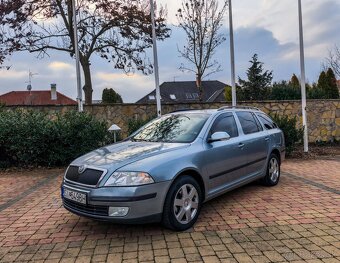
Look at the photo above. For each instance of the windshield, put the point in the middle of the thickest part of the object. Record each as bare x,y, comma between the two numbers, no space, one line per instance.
180,128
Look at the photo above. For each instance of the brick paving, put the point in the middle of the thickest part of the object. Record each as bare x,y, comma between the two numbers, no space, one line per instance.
14,183
296,221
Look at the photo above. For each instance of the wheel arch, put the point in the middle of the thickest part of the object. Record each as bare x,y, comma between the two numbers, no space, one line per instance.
196,175
277,153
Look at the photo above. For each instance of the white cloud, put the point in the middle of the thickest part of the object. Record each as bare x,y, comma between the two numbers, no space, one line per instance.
267,27
12,74
60,66
107,76
281,18
131,87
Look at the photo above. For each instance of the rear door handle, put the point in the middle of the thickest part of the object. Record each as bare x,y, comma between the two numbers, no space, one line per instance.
267,138
240,145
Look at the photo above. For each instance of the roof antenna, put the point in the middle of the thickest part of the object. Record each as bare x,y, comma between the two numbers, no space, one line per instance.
30,76
6,67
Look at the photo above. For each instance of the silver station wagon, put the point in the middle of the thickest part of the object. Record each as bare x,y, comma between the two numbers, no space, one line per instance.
166,170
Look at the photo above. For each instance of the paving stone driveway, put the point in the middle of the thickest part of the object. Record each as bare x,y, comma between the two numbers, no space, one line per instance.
298,220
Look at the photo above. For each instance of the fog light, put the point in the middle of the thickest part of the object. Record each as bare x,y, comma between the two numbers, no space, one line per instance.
118,211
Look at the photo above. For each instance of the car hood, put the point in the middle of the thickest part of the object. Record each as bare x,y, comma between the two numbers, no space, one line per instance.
120,154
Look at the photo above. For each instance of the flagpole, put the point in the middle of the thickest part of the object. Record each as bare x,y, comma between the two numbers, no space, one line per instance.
155,58
232,56
76,51
303,81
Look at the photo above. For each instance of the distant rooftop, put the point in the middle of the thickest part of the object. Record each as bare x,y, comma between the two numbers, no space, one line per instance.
186,91
35,97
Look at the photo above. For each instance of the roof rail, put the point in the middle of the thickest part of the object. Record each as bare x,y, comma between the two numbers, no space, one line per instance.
238,107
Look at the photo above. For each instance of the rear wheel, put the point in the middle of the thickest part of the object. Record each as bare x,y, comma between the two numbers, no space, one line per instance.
273,171
182,204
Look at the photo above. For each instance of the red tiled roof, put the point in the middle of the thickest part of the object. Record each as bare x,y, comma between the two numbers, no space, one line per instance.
34,97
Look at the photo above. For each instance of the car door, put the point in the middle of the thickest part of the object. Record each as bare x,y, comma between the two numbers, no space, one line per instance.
224,160
275,136
255,143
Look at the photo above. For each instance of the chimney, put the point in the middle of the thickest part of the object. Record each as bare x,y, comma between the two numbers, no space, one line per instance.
53,91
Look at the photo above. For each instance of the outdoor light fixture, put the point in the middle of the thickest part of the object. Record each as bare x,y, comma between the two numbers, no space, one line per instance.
114,128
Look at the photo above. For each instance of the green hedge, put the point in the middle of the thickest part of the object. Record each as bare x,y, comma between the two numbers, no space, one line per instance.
31,138
292,134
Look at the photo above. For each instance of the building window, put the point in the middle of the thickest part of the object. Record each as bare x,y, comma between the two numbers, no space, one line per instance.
151,97
189,96
172,96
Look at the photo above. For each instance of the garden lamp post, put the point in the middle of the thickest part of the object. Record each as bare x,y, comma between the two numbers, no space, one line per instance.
76,51
114,128
303,81
155,58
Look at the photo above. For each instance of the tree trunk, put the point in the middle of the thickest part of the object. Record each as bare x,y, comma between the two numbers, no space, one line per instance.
88,82
199,86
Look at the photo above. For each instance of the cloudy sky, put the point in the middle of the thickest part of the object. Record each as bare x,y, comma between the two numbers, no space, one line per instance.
266,27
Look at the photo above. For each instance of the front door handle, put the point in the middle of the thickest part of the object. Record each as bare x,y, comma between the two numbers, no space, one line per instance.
240,145
266,138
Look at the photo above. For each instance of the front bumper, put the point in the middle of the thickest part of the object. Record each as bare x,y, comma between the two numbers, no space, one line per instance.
145,202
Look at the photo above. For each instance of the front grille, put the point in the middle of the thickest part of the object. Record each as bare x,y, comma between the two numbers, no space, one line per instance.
88,209
89,176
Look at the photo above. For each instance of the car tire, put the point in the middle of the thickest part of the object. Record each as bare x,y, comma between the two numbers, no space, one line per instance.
182,204
273,171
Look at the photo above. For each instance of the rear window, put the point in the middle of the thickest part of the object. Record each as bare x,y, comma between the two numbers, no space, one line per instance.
248,122
268,123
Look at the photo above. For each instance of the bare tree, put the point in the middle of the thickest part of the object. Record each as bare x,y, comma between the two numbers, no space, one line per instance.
333,60
201,21
119,31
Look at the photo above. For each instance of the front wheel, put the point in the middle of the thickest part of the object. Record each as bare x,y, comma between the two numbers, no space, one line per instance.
182,204
273,171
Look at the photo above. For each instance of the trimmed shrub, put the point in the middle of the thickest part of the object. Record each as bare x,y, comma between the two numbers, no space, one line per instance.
228,93
110,96
316,93
285,91
30,138
292,134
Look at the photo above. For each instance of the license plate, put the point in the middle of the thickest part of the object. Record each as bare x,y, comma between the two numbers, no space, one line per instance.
74,196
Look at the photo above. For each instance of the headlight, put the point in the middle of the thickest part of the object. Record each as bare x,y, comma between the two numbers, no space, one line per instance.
129,179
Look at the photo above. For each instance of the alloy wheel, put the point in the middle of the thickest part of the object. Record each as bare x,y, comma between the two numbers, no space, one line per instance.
274,170
186,203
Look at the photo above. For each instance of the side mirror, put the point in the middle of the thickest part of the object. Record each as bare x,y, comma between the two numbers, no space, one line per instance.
219,136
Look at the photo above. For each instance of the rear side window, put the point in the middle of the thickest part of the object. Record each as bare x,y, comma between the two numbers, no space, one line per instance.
248,122
225,123
267,122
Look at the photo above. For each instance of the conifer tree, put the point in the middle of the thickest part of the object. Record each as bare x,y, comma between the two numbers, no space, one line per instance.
257,87
332,91
323,81
294,81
